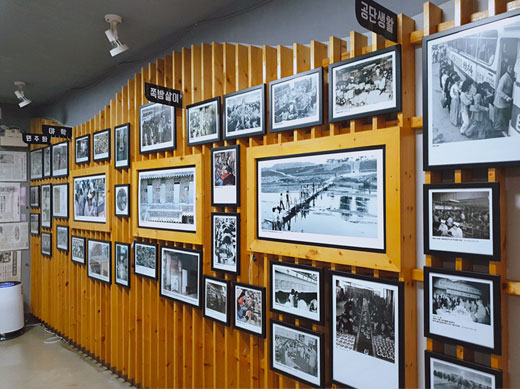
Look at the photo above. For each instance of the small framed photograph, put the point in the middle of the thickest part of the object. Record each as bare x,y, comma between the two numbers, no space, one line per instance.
367,331
443,371
46,210
78,250
60,201
216,299
35,196
249,308
90,196
156,128
181,275
297,290
298,353
46,244
225,175
122,146
145,259
225,242
101,145
122,262
244,113
297,101
62,238
47,162
35,224
203,122
99,260
60,159
463,308
82,144
462,220
37,164
122,200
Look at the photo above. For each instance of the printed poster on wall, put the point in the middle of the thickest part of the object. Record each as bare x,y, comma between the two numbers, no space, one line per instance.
14,236
9,202
13,166
10,266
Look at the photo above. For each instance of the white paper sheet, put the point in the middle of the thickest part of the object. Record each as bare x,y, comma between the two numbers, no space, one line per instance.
10,266
9,202
13,166
14,236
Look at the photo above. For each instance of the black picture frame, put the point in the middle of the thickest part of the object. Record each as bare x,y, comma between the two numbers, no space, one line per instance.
139,272
117,280
103,157
37,216
47,160
319,101
36,190
234,305
458,337
227,101
494,210
43,252
56,173
128,205
84,250
462,364
215,267
43,208
169,145
205,312
53,201
217,136
66,228
463,155
219,193
392,52
122,163
37,162
283,309
107,280
76,141
320,357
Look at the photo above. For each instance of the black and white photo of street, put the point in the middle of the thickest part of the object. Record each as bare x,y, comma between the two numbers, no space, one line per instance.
99,260
216,299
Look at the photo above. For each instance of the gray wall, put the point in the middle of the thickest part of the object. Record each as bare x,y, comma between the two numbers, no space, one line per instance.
14,116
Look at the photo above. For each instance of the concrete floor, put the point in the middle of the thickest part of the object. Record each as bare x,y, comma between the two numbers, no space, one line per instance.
27,362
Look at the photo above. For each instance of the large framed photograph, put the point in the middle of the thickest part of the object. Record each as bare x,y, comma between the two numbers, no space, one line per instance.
101,145
225,175
46,244
122,200
366,85
216,299
471,102
249,308
296,101
167,199
90,194
181,275
78,249
46,210
298,353
99,260
367,331
331,198
443,371
463,308
60,159
122,146
37,164
225,242
297,290
244,113
82,148
34,194
47,162
156,128
35,224
122,263
203,122
62,238
60,201
462,220
145,259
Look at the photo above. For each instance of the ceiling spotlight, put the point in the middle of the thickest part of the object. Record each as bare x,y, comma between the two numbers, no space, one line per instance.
111,33
20,95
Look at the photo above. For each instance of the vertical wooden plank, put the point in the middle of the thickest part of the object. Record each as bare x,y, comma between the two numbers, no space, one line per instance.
463,10
336,48
357,43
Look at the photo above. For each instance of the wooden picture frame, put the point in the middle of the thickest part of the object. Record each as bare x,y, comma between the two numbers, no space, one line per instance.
78,249
141,264
194,128
151,118
122,267
60,157
225,241
245,315
106,250
225,176
213,310
240,116
122,146
101,152
82,149
122,200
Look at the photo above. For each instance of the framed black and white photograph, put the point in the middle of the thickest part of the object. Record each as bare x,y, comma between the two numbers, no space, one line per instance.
90,195
203,122
34,193
82,149
62,238
462,220
181,275
297,290
46,210
35,224
78,249
37,164
225,242
60,159
122,146
471,95
47,162
60,201
122,200
156,128
296,101
122,263
443,371
331,198
244,113
463,308
367,331
101,145
225,175
298,353
216,299
365,85
145,259
167,199
99,260
249,308
46,244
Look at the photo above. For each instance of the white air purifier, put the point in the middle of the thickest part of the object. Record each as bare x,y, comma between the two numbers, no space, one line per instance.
11,309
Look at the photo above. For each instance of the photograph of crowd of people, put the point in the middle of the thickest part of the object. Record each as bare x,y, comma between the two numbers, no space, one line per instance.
181,275
250,308
216,299
60,159
62,238
90,198
157,127
99,258
122,147
244,113
46,244
83,149
225,174
36,164
203,121
226,241
78,249
145,259
101,145
47,161
122,260
46,206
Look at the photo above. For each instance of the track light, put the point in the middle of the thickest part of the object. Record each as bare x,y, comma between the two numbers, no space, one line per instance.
111,33
20,95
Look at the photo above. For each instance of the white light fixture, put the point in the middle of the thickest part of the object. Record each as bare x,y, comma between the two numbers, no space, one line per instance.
20,95
111,33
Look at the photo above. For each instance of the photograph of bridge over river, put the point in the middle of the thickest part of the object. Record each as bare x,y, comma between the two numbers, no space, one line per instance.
331,198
